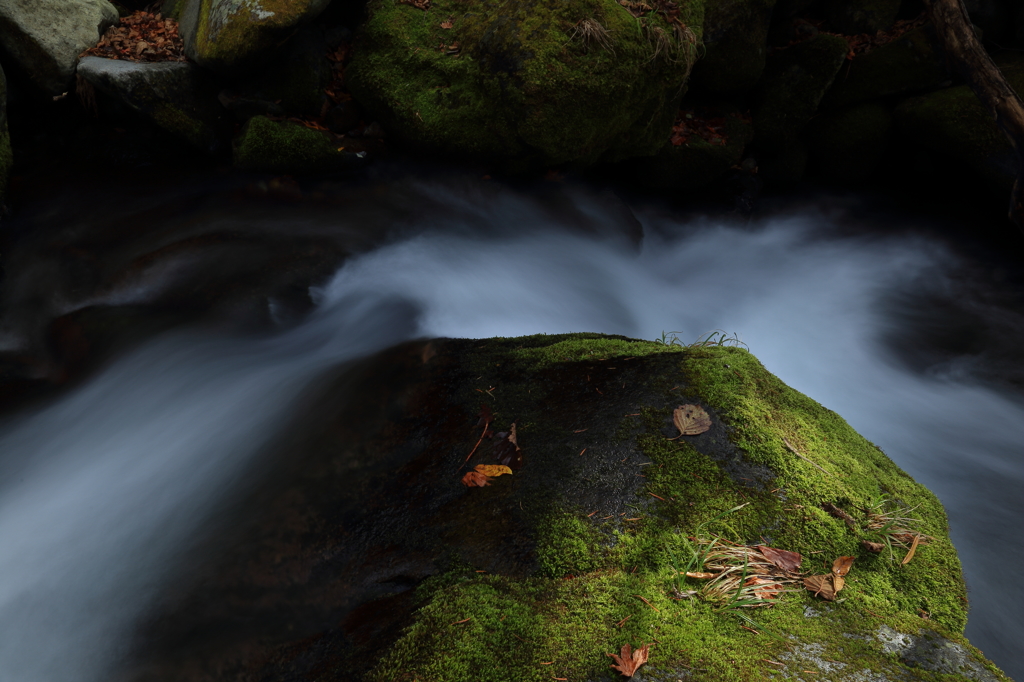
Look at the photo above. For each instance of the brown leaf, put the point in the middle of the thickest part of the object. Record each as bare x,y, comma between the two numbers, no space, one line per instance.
841,566
821,586
913,548
691,420
507,450
475,479
700,575
875,547
838,583
627,662
492,470
446,24
771,588
783,558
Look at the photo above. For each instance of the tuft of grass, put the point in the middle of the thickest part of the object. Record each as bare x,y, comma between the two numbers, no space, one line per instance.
590,32
716,337
894,527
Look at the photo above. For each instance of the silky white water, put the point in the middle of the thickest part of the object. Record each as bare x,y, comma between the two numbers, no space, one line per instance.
101,491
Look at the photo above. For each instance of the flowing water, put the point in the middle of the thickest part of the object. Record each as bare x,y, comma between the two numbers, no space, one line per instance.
101,489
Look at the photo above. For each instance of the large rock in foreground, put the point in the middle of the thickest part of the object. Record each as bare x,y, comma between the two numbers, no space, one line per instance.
367,558
528,82
45,37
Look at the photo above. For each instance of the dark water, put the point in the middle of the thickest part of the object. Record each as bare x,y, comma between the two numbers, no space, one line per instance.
919,348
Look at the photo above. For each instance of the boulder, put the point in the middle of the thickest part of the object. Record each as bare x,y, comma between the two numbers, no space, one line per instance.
363,555
228,36
851,17
45,37
267,146
6,157
848,146
174,95
735,44
954,124
912,62
794,82
696,163
526,83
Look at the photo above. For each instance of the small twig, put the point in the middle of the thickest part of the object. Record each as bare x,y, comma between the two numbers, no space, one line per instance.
647,602
481,440
622,622
790,447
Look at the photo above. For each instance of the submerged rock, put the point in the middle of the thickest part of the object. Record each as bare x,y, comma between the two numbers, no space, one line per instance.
363,556
526,83
45,37
229,35
174,95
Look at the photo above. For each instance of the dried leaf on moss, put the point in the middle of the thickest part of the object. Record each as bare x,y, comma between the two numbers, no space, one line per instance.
700,575
627,661
783,558
823,586
492,470
875,547
913,548
474,479
691,420
507,450
841,566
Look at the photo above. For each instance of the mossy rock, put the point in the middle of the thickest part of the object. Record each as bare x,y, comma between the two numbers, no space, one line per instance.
525,83
912,62
229,36
695,164
953,123
736,45
6,156
851,17
267,146
367,558
176,96
785,169
848,146
794,82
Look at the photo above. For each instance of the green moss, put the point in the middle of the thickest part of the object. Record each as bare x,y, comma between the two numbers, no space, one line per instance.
524,85
607,578
284,147
954,123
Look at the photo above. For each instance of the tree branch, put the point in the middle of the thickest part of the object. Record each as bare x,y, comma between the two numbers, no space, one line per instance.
962,48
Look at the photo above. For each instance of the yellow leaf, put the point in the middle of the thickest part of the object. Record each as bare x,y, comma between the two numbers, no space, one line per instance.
699,575
913,548
691,420
492,469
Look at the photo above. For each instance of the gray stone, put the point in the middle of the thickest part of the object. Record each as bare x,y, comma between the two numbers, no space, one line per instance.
174,95
934,652
45,37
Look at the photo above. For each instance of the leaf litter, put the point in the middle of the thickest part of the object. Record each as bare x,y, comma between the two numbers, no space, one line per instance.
141,37
628,661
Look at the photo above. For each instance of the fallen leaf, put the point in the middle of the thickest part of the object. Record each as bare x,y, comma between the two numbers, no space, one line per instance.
913,548
447,24
507,450
841,566
475,479
838,583
770,590
783,558
821,586
628,661
700,576
691,420
493,470
875,547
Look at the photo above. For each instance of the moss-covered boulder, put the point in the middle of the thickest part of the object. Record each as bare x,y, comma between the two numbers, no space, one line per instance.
176,96
735,44
228,36
525,82
267,146
849,145
954,124
696,162
910,63
794,82
851,17
365,556
6,157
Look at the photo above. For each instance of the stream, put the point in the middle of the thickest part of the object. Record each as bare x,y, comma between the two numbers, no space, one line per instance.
103,485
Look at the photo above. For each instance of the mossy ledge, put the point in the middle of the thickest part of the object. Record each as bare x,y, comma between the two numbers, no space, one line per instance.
388,568
583,601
